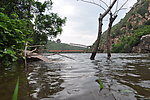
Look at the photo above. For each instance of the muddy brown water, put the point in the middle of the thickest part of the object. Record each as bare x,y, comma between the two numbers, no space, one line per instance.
125,77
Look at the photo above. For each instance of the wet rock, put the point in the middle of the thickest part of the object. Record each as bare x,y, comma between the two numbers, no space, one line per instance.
144,45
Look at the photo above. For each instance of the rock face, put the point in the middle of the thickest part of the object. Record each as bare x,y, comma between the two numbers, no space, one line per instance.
137,17
144,45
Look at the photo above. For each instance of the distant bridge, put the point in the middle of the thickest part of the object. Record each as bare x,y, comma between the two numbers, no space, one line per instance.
64,51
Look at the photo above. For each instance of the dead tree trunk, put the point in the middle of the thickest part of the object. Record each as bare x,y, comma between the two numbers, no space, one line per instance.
95,49
111,20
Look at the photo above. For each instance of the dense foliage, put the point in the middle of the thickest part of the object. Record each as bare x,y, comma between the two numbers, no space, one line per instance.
128,42
25,21
47,25
14,34
144,8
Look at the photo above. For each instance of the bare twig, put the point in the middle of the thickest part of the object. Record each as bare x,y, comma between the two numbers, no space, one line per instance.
117,5
93,3
25,54
109,8
119,10
121,7
25,50
104,2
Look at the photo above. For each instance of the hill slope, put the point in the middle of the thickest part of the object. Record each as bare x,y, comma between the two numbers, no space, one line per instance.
127,34
51,45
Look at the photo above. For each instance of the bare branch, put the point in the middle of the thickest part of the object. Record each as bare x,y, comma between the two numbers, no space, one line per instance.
120,10
109,8
94,4
104,2
117,5
124,4
121,7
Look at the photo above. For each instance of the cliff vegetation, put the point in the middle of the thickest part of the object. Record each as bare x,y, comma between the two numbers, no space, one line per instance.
127,34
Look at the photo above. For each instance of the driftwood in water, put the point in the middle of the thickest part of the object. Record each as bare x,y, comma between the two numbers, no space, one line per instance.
38,56
31,55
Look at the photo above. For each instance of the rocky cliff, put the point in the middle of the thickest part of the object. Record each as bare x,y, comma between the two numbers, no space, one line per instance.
144,45
131,33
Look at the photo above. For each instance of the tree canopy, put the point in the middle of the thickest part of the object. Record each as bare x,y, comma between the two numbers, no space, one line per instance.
23,21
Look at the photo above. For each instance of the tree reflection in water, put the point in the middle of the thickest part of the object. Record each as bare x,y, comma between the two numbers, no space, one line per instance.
44,79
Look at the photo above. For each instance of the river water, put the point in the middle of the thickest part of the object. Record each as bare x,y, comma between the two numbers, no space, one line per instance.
75,77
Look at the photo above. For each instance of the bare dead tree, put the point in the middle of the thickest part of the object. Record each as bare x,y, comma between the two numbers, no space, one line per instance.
100,24
100,20
100,30
111,20
92,2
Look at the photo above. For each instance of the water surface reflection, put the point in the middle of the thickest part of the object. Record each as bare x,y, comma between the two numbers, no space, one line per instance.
126,76
44,79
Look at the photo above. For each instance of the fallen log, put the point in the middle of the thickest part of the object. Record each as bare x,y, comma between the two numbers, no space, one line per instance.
30,55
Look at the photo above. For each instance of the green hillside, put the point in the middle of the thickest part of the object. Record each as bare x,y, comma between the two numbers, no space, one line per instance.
127,33
51,45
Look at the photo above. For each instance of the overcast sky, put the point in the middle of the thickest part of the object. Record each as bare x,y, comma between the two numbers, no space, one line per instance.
82,19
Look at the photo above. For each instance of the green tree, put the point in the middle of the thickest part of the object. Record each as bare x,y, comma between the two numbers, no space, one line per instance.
46,25
14,34
24,21
21,7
